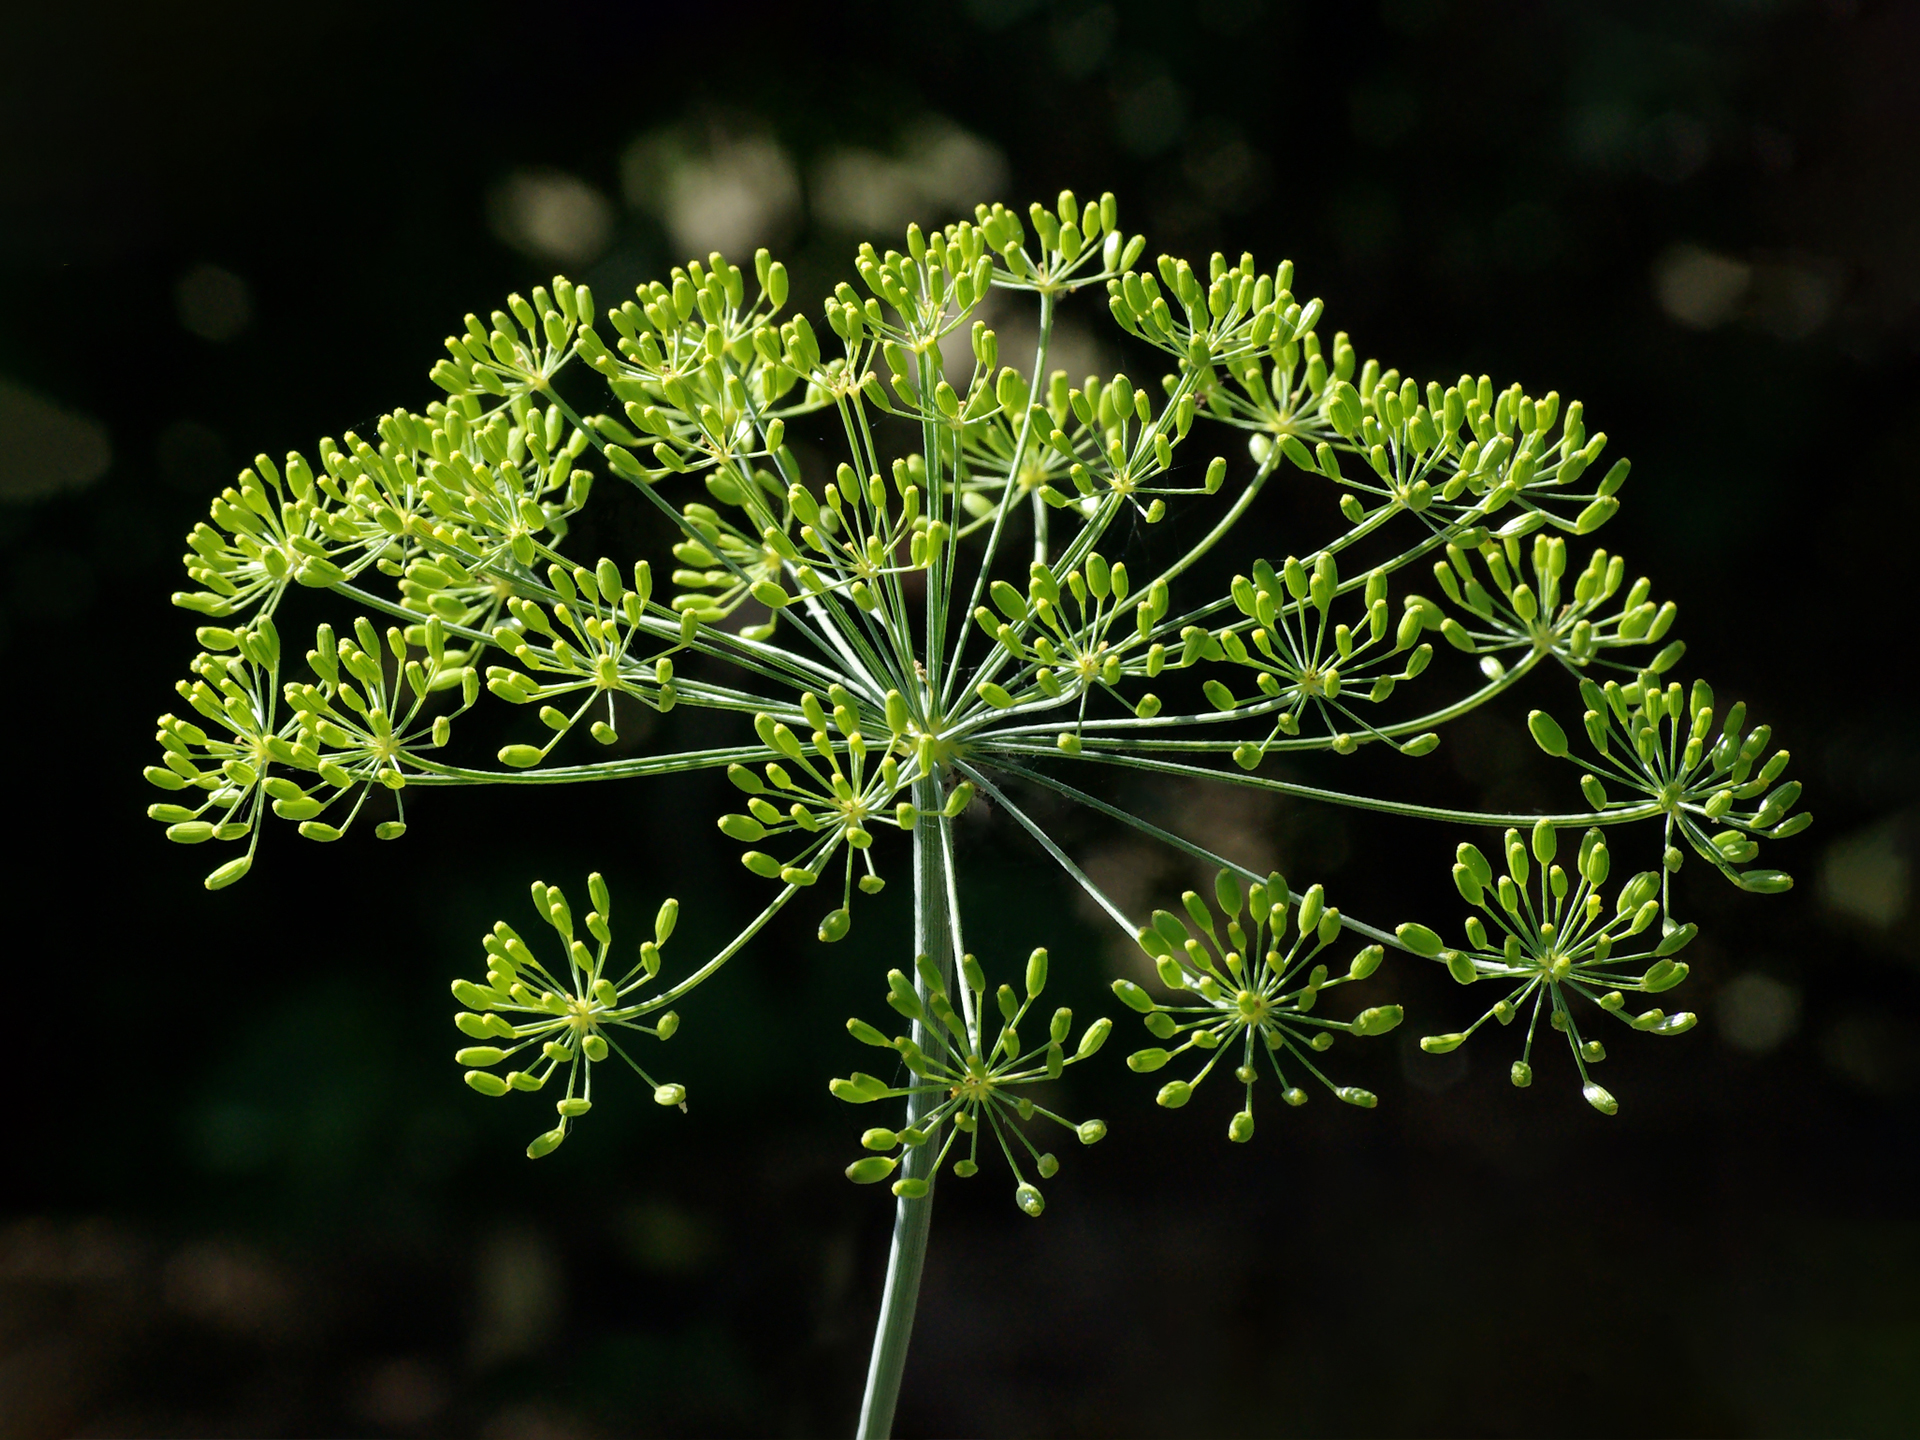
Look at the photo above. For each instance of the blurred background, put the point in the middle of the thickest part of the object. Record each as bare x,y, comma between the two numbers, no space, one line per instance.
248,1193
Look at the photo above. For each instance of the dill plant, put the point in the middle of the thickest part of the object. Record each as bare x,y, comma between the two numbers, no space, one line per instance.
950,615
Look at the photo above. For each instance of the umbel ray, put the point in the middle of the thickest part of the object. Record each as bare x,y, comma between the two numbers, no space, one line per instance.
951,614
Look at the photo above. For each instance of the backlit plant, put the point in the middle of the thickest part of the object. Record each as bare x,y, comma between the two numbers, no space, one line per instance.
978,597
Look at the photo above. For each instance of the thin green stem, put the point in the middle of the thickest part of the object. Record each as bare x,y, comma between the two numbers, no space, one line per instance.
912,1217
1336,797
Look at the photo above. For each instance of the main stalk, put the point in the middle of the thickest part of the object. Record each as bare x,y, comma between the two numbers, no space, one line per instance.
912,1218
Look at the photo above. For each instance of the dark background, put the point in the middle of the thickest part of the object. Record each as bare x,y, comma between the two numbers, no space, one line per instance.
246,1193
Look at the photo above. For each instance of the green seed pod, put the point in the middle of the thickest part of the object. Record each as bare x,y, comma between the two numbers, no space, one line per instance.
1599,1099
1093,1038
1328,928
1091,1132
670,1095
878,1139
1595,792
1037,974
867,1035
1174,1094
1354,1095
1441,1044
1311,905
1468,884
228,873
1470,856
1133,997
546,1144
1461,967
1419,939
1240,1128
1521,1074
1546,842
1547,733
473,996
910,1189
1029,1200
994,695
486,1084
1145,1062
1676,939
835,926
872,1169
1366,962
1378,1020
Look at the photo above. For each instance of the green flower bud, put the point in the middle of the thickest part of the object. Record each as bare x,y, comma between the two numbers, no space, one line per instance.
546,1144
486,1084
835,926
1521,1074
1354,1095
1240,1128
879,1139
1091,1132
1144,1062
1133,997
1029,1200
1441,1044
670,1095
1599,1099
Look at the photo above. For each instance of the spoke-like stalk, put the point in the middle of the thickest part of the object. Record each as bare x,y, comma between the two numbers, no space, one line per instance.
912,1218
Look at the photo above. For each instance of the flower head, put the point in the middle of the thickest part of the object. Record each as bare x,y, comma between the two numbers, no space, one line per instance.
573,1014
966,1083
1254,995
1556,943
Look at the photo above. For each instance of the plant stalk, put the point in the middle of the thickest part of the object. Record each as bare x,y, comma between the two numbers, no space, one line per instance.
912,1218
